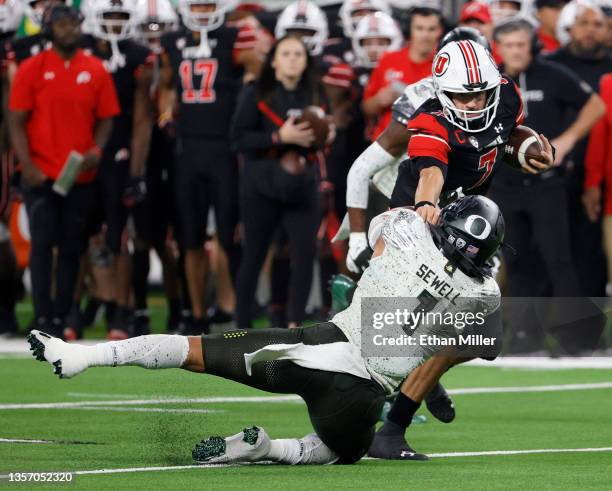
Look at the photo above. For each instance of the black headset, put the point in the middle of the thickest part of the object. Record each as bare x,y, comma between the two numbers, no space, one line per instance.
519,23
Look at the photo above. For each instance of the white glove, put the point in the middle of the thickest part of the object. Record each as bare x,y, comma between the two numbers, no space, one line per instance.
358,242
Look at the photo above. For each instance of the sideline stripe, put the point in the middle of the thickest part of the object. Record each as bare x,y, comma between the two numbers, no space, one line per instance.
294,399
439,455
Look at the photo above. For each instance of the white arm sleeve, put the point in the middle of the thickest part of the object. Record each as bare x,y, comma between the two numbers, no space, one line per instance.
371,160
376,226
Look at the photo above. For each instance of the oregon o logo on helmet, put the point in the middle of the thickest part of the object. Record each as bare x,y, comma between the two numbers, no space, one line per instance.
442,63
482,227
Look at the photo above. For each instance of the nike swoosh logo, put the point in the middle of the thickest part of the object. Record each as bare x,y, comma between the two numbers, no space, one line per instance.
405,453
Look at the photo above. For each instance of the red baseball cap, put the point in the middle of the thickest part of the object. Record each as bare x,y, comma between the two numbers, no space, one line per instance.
476,11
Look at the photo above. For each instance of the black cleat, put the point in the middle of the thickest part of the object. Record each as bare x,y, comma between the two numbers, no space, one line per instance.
36,347
440,405
208,449
393,447
58,368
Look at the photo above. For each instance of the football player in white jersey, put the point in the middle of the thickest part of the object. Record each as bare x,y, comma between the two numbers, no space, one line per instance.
325,364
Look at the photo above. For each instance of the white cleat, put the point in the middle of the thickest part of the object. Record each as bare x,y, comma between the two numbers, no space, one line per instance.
250,445
68,360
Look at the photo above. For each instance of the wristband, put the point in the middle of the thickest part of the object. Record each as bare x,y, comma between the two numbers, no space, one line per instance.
423,203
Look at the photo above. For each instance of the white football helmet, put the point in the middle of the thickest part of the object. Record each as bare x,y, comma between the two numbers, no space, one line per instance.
306,17
350,7
101,22
466,67
500,12
154,17
203,21
376,25
409,4
567,17
11,13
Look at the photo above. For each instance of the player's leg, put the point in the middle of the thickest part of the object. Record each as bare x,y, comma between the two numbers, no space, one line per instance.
192,207
389,441
301,223
71,244
260,217
43,214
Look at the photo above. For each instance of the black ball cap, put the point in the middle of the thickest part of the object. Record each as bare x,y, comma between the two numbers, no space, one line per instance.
58,12
550,3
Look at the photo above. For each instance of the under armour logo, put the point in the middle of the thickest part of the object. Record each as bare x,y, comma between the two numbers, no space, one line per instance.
406,453
499,128
49,75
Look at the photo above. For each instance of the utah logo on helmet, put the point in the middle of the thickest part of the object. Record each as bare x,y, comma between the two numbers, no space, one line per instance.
466,67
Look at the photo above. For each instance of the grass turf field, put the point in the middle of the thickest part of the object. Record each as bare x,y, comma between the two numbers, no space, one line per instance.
119,414
123,434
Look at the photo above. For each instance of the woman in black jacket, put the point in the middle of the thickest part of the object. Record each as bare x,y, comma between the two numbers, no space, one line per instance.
279,185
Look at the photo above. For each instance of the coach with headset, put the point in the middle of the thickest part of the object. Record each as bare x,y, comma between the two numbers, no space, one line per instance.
535,206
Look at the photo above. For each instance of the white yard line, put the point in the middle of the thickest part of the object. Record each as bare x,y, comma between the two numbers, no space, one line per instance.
438,455
291,399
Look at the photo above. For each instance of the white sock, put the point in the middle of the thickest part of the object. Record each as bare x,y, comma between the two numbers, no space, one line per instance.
151,351
307,450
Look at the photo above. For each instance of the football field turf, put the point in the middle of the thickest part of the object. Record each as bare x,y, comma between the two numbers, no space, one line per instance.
123,419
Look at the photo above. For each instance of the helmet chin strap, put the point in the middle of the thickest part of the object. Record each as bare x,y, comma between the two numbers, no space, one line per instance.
204,47
117,59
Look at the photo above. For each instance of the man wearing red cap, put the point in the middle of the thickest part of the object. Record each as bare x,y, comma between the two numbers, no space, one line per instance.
478,16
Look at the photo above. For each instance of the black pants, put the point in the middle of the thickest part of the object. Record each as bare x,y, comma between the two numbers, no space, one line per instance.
537,226
261,216
56,222
343,408
206,175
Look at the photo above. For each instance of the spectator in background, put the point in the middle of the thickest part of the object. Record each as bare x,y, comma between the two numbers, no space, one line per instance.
397,69
535,206
61,100
547,13
607,10
478,16
598,171
279,183
582,32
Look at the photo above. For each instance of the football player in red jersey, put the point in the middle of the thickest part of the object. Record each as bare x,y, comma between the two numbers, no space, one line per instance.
458,136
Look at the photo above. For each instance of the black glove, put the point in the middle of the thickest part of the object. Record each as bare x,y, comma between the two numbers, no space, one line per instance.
135,192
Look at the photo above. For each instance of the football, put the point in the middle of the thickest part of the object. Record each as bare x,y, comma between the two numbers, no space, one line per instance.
316,117
524,144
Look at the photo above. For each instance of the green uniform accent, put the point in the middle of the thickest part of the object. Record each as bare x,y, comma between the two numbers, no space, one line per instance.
342,289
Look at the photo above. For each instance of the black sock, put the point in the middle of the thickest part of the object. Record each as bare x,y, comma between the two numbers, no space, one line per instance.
400,416
140,274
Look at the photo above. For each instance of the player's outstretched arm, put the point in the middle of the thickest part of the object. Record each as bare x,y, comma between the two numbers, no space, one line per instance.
431,180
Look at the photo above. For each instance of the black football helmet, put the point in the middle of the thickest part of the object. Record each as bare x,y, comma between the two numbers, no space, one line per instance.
470,231
464,34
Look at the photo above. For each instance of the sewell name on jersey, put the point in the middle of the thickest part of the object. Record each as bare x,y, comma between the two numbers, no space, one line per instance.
430,277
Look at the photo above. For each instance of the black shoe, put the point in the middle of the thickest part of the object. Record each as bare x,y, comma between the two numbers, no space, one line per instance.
278,317
393,447
195,327
141,324
8,323
440,405
215,315
57,326
88,316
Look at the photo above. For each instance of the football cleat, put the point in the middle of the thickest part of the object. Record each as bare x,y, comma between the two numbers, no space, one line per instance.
440,405
67,360
250,445
393,447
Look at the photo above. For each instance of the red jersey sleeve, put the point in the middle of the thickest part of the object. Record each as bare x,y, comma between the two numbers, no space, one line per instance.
108,104
429,138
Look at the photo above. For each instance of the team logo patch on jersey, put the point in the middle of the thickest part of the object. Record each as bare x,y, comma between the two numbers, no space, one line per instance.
460,243
474,142
442,64
83,78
